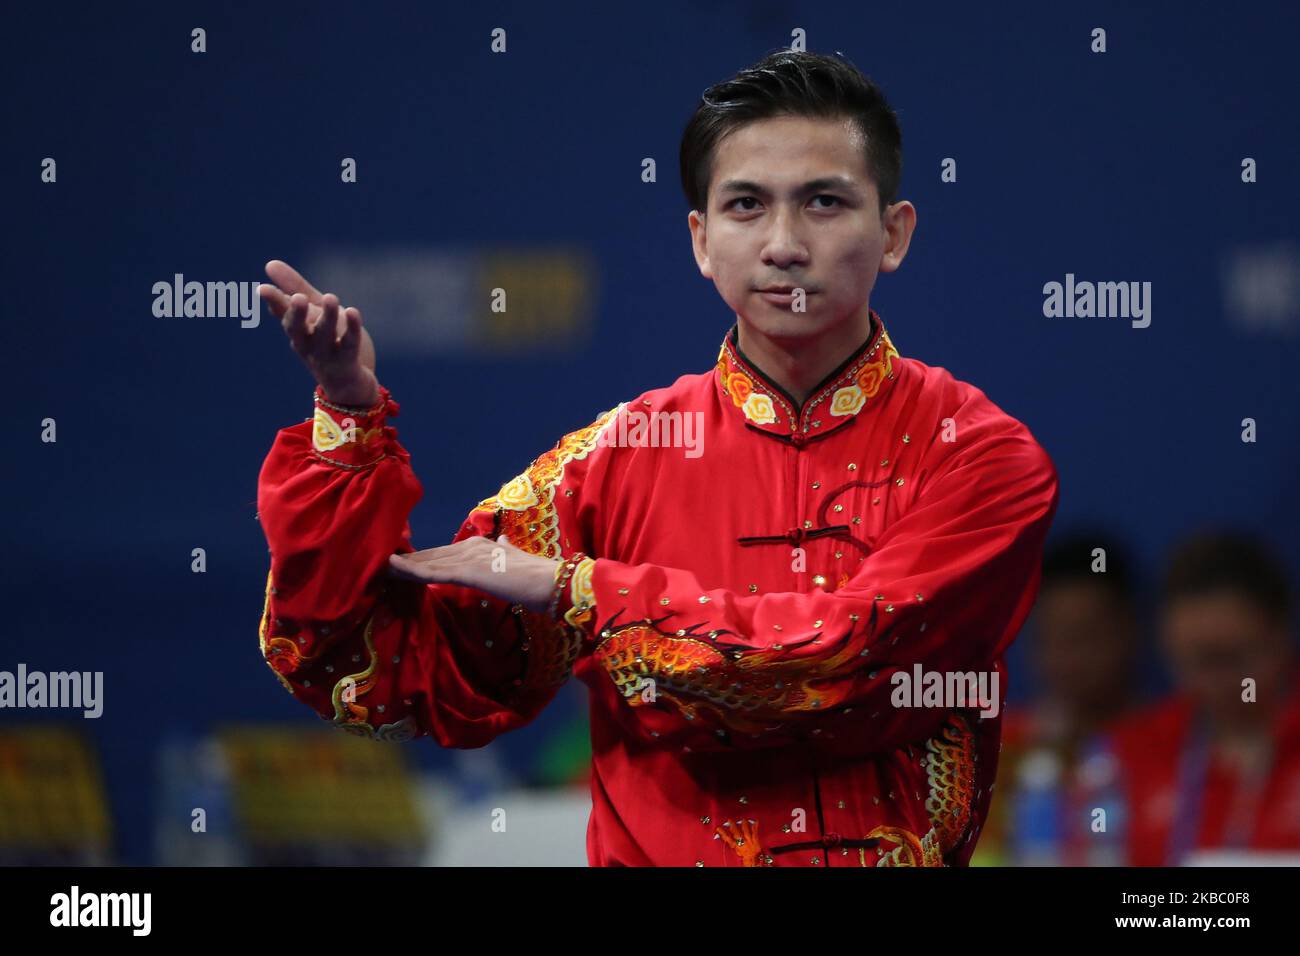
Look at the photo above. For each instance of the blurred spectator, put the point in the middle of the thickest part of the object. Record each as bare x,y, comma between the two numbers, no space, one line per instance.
1082,652
1217,765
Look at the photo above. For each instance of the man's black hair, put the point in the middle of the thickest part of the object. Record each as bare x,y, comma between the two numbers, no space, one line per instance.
1226,560
793,83
1070,558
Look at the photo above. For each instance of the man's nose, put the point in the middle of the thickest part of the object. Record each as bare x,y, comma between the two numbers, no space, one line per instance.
785,243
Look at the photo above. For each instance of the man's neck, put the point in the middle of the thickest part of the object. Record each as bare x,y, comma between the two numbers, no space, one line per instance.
800,365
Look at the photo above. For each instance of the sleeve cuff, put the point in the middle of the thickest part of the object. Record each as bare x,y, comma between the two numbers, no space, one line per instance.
352,437
574,602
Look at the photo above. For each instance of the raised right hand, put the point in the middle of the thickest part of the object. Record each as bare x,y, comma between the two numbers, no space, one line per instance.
333,345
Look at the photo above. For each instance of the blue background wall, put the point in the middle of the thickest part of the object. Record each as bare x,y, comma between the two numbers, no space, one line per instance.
1122,166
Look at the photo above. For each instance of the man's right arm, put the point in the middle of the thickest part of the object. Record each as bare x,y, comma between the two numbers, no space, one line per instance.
376,655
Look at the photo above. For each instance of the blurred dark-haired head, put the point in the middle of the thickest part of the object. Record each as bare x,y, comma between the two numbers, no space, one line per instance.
1228,606
1086,629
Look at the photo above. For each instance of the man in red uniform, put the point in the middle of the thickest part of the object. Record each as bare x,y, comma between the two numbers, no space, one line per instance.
1216,766
746,567
1085,635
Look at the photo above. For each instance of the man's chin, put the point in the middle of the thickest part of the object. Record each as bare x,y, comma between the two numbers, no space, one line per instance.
773,324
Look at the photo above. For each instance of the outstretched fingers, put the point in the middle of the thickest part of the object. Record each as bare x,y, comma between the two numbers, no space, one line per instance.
295,323
351,337
275,300
290,280
327,323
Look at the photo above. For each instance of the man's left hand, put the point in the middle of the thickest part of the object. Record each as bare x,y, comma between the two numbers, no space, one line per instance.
497,567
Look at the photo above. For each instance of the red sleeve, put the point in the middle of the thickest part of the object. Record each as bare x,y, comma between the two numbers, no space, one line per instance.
379,656
946,586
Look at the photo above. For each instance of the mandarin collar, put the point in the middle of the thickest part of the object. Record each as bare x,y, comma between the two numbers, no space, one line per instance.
859,381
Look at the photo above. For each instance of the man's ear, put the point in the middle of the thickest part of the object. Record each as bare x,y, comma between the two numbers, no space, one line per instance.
900,223
699,241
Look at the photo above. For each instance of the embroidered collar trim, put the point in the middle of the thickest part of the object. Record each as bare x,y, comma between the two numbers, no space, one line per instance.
836,401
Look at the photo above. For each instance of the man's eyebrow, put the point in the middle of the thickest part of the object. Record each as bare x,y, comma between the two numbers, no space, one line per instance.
813,185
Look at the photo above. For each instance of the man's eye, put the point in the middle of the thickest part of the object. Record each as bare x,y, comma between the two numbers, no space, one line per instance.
834,199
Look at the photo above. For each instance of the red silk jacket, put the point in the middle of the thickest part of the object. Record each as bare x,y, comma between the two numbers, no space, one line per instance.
740,605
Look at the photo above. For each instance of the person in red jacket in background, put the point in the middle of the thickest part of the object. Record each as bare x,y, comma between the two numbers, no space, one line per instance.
1084,638
1216,766
746,567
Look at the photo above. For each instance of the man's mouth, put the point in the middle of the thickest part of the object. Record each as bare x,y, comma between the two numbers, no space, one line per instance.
785,289
782,295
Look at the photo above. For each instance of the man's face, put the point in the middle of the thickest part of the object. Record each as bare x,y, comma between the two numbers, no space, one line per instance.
1215,640
1084,638
766,226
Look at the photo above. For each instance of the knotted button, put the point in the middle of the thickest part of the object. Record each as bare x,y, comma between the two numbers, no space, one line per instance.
797,439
